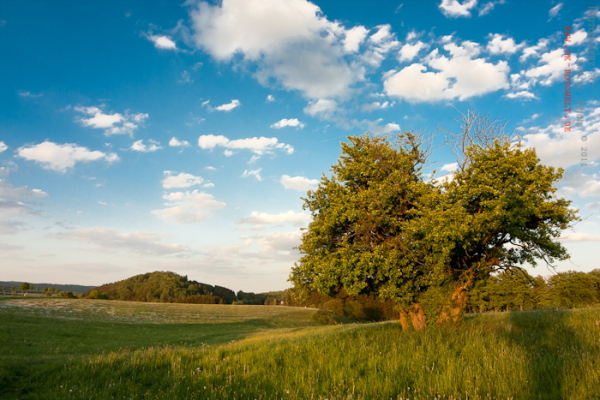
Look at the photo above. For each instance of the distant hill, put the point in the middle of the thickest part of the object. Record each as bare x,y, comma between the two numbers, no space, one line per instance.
41,286
166,287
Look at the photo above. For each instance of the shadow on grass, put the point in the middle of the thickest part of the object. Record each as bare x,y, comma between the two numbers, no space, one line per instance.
550,345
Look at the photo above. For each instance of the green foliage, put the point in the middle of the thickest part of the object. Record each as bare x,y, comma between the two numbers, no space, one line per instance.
357,240
165,287
380,228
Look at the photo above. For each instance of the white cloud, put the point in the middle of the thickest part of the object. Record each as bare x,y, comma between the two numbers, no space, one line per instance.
229,106
139,145
459,77
181,180
578,37
549,69
354,37
113,124
109,240
13,204
523,94
293,122
60,157
498,44
375,128
410,51
455,9
259,219
174,142
558,148
533,51
3,147
187,207
377,105
450,167
299,183
211,141
258,145
162,42
555,10
255,173
289,41
282,242
323,108
270,98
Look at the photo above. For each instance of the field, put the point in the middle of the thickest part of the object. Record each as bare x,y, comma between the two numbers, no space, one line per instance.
94,349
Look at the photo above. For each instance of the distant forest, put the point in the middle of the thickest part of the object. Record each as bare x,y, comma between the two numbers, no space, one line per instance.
506,291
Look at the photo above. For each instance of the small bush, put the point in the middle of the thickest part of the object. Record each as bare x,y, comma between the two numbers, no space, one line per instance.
323,317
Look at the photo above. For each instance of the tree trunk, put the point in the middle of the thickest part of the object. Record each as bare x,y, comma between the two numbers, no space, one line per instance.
418,318
404,320
454,310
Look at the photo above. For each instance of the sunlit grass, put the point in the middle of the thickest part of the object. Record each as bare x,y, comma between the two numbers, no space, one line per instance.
527,355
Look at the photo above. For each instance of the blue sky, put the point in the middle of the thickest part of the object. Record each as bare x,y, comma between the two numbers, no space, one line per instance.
153,135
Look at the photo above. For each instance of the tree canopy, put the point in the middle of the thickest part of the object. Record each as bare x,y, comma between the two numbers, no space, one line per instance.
380,227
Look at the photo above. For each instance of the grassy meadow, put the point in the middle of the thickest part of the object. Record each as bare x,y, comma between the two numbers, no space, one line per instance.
94,349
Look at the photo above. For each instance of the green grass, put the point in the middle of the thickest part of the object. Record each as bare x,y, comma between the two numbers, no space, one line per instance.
81,349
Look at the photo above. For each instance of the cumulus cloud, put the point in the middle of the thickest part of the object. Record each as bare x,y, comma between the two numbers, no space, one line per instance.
181,180
229,106
113,124
523,95
459,76
109,240
188,207
299,183
326,109
258,145
558,148
293,122
549,69
3,147
289,41
139,145
354,37
498,44
162,42
410,51
60,157
456,9
174,142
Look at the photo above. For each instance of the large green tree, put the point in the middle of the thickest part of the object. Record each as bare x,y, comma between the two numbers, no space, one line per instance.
380,227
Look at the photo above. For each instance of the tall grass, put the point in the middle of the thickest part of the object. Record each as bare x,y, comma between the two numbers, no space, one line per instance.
521,355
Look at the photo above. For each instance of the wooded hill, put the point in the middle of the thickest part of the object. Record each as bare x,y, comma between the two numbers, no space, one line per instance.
166,287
